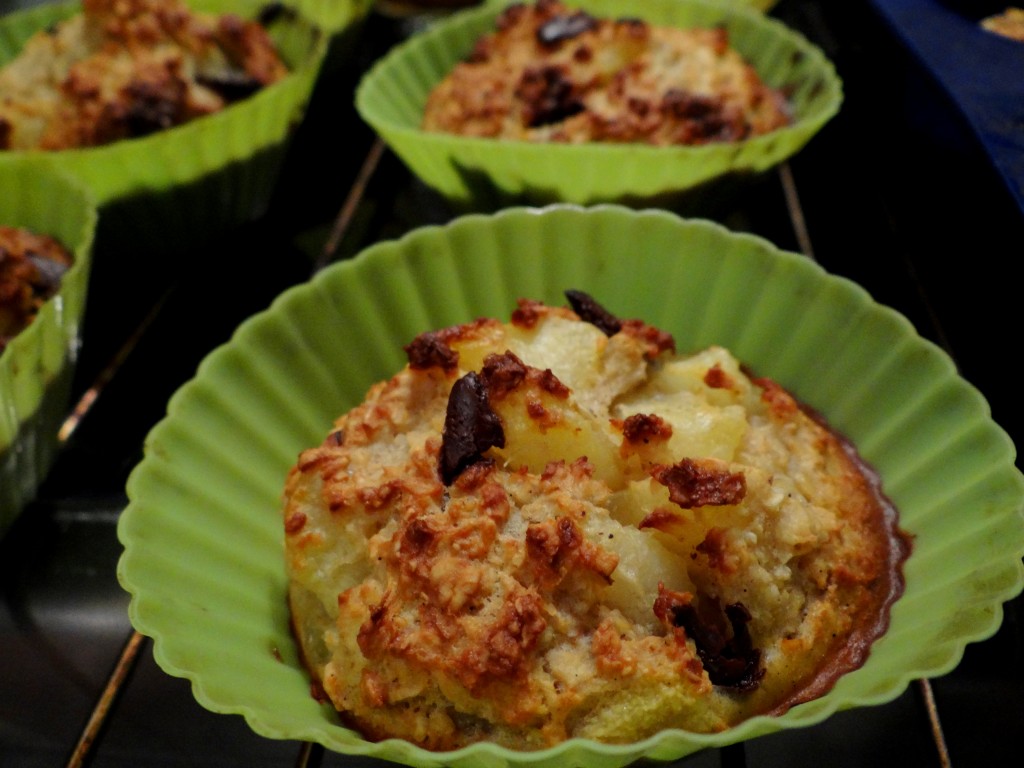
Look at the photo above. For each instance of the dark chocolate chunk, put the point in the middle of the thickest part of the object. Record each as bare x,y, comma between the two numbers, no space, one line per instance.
470,428
565,28
548,96
584,305
231,86
151,108
690,105
723,643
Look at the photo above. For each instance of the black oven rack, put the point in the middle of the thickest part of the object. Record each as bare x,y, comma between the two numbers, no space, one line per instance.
895,194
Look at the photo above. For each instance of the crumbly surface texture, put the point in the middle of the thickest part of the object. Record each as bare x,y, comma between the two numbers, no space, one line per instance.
550,73
558,527
31,268
128,68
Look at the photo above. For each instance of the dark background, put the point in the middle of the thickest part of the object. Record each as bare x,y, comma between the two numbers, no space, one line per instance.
910,191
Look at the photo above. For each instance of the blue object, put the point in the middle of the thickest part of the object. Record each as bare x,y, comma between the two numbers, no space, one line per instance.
982,72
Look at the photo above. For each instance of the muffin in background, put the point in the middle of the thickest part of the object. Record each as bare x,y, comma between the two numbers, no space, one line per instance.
176,187
121,70
478,173
38,363
553,73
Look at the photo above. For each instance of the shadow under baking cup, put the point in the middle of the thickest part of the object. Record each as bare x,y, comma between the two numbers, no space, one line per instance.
706,199
25,462
170,222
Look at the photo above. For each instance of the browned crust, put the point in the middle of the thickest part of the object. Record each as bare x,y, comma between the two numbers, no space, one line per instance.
140,66
701,482
551,73
874,580
461,606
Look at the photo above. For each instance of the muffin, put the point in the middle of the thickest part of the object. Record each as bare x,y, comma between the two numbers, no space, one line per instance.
120,70
552,73
176,116
500,161
557,527
47,224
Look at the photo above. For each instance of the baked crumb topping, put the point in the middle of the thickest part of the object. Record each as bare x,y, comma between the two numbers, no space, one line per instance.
127,68
549,528
550,73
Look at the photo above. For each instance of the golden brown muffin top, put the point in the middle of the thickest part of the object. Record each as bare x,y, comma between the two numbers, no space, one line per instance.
549,73
556,527
127,68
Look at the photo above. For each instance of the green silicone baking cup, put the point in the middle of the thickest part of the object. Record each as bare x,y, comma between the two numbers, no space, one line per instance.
203,538
468,171
206,175
37,365
332,15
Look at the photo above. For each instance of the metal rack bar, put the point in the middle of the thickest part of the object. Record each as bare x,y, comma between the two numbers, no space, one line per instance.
310,755
351,203
931,707
89,397
796,211
94,727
